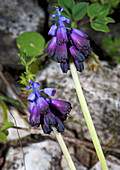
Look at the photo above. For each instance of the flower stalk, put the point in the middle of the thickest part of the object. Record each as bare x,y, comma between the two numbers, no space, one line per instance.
64,149
87,116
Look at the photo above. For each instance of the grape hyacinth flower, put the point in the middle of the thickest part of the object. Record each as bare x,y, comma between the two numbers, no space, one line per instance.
67,42
44,111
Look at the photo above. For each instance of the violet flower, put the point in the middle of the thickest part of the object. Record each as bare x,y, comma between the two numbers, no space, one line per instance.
67,42
46,112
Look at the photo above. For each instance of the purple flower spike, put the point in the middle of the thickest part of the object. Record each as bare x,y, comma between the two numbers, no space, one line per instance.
31,97
49,118
81,33
32,104
35,117
50,50
63,106
61,53
52,30
76,54
81,43
43,106
59,126
79,66
49,91
64,67
61,35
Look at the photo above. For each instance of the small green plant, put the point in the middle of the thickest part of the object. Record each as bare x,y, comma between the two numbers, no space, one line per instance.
5,125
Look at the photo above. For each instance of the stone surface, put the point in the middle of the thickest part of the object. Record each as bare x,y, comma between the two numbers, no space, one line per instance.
17,16
97,93
38,156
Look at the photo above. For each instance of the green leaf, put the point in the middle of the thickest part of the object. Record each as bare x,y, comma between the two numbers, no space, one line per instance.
104,2
79,10
107,43
67,5
118,59
113,51
3,137
95,10
99,27
117,41
114,3
7,125
5,112
94,0
31,43
104,20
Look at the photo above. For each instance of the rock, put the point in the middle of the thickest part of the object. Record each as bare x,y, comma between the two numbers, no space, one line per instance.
12,133
38,156
111,166
97,93
17,16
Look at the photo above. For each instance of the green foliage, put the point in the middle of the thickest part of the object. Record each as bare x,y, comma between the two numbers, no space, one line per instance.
27,63
5,124
67,5
113,46
31,43
98,17
79,10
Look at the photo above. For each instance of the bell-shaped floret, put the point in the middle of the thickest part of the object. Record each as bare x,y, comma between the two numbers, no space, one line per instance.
79,66
61,53
76,54
53,30
31,97
61,35
50,50
49,118
77,31
49,91
43,106
63,106
35,117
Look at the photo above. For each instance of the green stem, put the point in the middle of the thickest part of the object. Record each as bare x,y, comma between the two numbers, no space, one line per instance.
88,117
64,149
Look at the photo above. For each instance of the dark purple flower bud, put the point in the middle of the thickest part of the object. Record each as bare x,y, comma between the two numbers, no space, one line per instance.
43,106
49,91
28,88
76,54
77,31
64,67
63,106
35,117
52,30
79,66
49,118
36,85
32,104
61,35
46,128
61,53
59,126
50,50
31,97
81,43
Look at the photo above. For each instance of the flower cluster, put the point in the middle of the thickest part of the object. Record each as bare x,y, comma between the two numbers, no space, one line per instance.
46,112
67,42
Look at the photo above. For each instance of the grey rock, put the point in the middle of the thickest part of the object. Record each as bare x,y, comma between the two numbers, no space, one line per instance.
38,156
17,16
